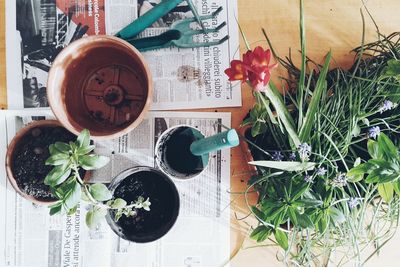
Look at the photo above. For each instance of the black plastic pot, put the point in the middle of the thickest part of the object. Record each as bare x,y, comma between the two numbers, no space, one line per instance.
146,226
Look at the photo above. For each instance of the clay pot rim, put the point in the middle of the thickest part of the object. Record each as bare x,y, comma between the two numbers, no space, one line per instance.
70,49
118,179
10,153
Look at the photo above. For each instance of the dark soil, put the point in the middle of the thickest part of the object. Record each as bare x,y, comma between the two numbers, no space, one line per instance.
29,159
148,225
178,155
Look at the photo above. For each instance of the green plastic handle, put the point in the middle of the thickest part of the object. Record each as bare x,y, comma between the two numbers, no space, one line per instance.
216,142
147,19
155,42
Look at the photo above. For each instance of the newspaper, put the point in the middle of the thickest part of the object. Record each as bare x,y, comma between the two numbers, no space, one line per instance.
37,30
30,237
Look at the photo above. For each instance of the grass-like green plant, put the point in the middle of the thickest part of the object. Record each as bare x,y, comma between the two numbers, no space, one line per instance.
328,179
67,184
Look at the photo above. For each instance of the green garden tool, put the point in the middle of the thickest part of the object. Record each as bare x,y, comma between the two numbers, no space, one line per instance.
180,35
147,19
203,147
183,152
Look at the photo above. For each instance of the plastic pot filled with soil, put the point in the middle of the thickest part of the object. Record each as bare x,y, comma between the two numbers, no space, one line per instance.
146,225
173,155
100,83
26,157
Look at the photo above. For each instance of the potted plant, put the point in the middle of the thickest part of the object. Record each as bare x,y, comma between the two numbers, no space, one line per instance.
326,152
126,204
144,183
26,157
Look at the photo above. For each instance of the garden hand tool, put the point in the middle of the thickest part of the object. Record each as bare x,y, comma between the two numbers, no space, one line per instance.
204,146
180,35
147,19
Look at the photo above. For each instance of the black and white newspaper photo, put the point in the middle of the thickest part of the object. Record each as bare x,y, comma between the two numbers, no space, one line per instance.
36,31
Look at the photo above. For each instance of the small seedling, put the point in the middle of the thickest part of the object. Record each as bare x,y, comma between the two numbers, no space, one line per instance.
68,186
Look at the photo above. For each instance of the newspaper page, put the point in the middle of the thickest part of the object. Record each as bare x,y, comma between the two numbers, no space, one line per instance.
30,237
36,31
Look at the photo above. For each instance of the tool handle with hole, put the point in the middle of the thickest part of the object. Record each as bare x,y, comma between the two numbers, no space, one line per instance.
147,19
216,142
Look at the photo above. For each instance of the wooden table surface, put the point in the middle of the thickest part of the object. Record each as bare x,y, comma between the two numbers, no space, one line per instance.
330,25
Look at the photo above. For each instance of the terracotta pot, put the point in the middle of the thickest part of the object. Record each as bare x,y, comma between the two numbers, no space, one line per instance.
13,146
100,83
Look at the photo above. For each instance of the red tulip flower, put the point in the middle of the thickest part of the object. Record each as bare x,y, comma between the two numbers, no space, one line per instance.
254,68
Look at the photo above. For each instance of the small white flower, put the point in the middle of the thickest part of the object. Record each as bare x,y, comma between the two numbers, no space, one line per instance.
304,151
340,180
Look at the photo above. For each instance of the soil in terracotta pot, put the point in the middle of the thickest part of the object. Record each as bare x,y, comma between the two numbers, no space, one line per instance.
163,208
29,159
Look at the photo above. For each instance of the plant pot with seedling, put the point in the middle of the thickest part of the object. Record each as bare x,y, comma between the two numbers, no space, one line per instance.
153,209
69,187
100,83
26,159
141,205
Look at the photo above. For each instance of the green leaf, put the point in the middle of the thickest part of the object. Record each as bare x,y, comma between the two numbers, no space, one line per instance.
387,147
94,217
275,214
100,192
118,203
259,214
381,175
299,191
356,131
396,187
357,162
261,233
305,221
56,208
281,238
93,162
57,159
72,211
289,166
293,215
353,178
320,88
392,69
308,202
57,175
323,223
373,149
356,174
386,191
365,121
73,196
85,150
337,215
53,150
283,113
256,129
62,147
83,138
